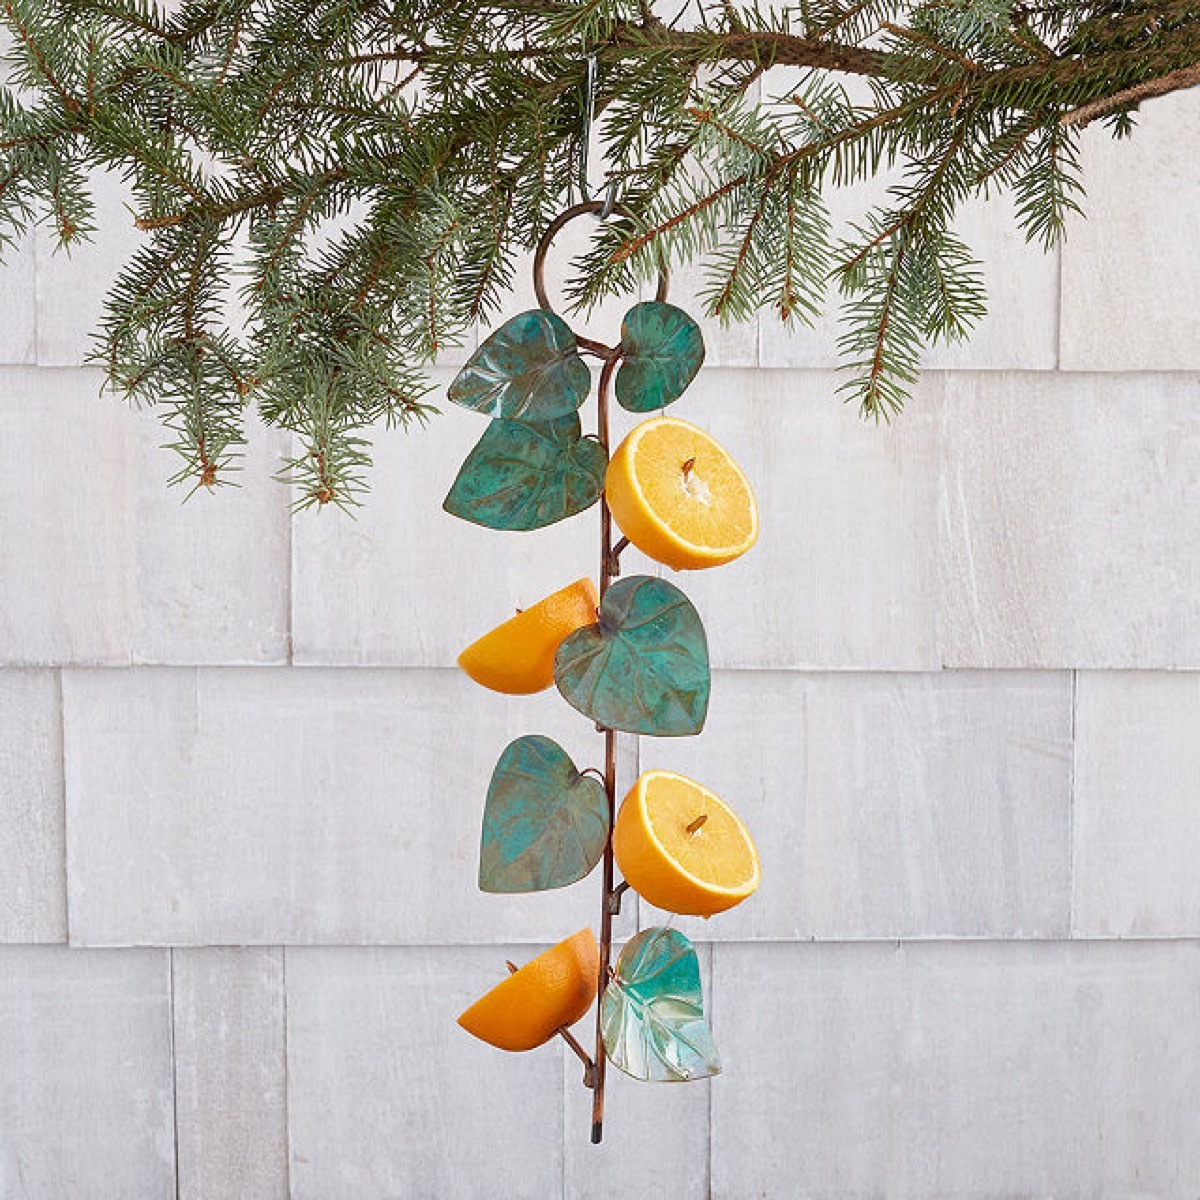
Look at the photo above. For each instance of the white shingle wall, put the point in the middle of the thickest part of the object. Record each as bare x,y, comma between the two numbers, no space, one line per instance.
240,780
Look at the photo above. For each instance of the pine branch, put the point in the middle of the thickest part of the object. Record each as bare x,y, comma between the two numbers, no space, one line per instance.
1131,97
369,173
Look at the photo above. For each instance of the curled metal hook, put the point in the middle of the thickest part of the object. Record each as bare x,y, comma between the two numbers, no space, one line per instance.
596,208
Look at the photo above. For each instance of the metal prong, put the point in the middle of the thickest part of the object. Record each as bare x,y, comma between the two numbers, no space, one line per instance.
610,200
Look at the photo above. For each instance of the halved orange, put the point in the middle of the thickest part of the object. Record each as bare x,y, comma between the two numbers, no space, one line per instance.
518,656
532,1004
679,497
683,848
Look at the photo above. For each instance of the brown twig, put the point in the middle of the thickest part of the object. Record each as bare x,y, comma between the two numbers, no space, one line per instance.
927,43
39,59
841,19
1173,81
229,55
639,243
784,161
886,308
771,50
707,117
744,248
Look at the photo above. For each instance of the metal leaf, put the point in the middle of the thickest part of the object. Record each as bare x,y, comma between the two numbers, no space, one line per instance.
643,667
663,349
545,825
529,369
522,475
652,1011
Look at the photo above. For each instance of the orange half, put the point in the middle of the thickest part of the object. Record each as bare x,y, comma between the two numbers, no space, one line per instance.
518,656
531,1005
683,848
679,497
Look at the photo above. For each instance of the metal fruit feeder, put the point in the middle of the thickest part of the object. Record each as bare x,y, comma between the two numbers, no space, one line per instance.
641,667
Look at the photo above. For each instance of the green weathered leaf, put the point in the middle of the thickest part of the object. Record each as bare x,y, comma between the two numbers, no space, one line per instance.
643,667
663,349
529,369
545,824
522,475
652,1011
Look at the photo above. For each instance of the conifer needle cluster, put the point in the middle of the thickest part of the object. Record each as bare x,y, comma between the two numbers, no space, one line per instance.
366,172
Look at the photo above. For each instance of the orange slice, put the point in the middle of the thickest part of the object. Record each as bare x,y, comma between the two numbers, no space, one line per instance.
518,656
679,497
532,1004
682,848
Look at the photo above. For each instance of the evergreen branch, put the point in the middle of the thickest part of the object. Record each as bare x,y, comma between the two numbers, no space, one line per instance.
789,300
707,117
222,211
873,395
38,56
639,243
1130,97
764,49
744,249
923,219
928,43
842,17
379,167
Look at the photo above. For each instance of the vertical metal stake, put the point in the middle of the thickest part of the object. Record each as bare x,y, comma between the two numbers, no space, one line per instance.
609,568
610,781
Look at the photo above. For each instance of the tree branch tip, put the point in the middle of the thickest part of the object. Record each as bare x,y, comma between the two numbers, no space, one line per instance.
1131,97
146,224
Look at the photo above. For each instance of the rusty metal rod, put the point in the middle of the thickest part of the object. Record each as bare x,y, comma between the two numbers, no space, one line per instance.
610,566
610,779
614,898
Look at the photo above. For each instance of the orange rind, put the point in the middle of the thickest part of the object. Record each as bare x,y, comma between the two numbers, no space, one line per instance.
548,993
517,657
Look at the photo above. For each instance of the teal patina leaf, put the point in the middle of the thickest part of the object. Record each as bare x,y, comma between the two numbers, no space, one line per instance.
523,476
663,349
545,825
652,1011
529,369
643,667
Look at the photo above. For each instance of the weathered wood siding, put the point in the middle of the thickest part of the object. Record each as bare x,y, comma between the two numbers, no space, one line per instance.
241,780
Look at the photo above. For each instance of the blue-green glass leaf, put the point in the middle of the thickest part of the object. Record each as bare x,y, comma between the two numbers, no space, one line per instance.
526,476
545,825
643,667
663,349
652,1011
529,369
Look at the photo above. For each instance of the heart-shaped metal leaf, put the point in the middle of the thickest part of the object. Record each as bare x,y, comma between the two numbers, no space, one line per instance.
522,475
663,349
545,825
652,1011
529,369
643,667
